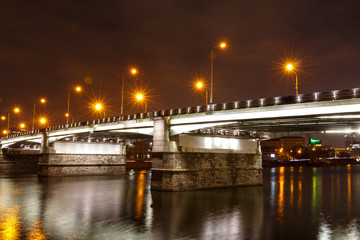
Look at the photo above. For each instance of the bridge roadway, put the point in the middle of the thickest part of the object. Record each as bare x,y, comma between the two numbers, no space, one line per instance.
320,111
186,154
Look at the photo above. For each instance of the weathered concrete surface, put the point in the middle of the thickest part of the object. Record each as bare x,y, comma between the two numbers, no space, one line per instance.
52,164
191,171
19,161
201,162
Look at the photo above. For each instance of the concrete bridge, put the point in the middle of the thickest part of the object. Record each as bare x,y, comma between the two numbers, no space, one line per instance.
210,146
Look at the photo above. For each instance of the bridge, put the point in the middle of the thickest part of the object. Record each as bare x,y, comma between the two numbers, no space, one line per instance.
194,147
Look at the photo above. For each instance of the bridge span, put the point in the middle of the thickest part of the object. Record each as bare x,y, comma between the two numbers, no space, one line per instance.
193,147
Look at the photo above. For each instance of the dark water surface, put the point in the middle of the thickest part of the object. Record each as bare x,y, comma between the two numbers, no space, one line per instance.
293,203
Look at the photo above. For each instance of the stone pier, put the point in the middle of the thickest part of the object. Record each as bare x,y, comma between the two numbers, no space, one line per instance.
191,162
82,158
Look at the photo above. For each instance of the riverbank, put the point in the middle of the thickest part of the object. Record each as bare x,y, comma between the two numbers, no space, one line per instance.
310,162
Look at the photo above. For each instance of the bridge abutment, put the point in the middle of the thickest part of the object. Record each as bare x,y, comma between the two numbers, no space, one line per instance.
191,162
82,158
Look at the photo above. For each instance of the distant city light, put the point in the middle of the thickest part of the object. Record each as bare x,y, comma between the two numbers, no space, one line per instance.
42,100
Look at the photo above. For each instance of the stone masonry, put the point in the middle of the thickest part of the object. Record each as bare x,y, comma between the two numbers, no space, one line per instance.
190,162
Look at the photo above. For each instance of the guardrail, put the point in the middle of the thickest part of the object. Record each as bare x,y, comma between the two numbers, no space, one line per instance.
262,102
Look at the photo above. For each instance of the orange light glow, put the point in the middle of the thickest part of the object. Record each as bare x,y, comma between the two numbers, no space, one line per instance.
289,67
42,100
78,89
5,132
222,45
42,120
22,125
66,114
133,71
139,97
199,85
98,106
3,117
16,110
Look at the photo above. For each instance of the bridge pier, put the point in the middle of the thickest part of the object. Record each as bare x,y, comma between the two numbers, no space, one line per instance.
81,158
191,162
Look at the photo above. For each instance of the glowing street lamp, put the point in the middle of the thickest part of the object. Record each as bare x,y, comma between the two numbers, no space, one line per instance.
221,45
141,98
42,101
5,132
290,68
78,89
3,118
98,107
133,71
22,125
43,121
200,85
16,110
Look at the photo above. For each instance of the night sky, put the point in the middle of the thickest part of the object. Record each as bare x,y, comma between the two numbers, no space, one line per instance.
49,47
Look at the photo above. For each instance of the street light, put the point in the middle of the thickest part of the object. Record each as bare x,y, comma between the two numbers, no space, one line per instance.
133,71
221,45
43,121
42,101
98,107
67,115
141,98
16,110
200,85
290,68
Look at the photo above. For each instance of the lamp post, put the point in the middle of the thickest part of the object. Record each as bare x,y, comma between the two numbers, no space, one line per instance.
98,108
222,45
140,98
200,85
290,68
133,72
67,115
16,110
42,101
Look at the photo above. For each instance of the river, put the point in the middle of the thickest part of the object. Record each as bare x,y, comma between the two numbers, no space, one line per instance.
293,203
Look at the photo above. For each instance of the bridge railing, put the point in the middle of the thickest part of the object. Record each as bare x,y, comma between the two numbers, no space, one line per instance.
262,102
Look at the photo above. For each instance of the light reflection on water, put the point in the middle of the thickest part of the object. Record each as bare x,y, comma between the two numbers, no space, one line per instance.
303,203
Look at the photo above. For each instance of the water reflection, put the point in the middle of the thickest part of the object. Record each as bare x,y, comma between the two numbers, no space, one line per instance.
305,202
10,223
37,232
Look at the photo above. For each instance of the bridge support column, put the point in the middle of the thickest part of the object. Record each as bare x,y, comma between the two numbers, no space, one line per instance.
82,158
191,162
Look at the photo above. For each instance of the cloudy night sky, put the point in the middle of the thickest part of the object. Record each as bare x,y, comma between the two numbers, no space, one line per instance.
49,47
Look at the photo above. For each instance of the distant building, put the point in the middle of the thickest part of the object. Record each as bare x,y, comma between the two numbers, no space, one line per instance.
350,139
283,148
139,150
